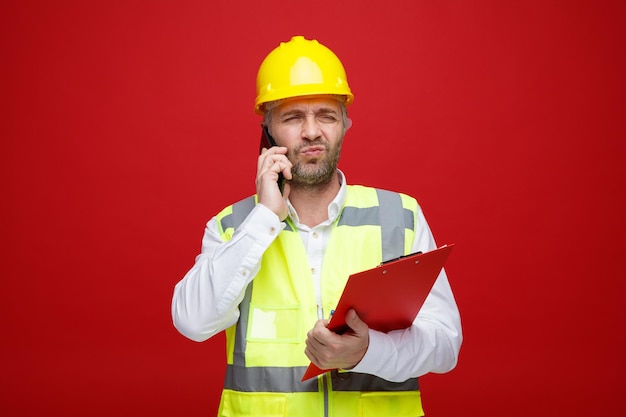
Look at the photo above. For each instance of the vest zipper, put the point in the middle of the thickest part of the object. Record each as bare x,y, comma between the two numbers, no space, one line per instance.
326,392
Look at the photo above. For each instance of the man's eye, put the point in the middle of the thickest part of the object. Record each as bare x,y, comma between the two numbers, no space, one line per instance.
328,118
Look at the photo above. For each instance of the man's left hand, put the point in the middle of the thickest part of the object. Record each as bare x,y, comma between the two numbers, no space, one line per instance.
329,350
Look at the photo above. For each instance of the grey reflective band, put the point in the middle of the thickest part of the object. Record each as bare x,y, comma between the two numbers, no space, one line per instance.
288,379
350,381
241,330
227,222
389,215
268,379
355,216
241,209
370,216
391,224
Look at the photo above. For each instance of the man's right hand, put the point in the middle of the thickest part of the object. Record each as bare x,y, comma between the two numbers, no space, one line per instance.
271,162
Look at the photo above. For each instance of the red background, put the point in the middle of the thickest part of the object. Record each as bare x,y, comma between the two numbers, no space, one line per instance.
126,125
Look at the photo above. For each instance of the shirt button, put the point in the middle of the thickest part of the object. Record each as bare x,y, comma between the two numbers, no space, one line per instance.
244,272
315,235
272,231
313,271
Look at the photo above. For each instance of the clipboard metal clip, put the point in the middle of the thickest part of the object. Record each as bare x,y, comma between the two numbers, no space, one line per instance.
400,257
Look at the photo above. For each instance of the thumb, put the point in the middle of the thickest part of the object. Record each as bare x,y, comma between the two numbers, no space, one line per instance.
357,325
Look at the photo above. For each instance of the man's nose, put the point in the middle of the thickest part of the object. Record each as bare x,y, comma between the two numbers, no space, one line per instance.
311,128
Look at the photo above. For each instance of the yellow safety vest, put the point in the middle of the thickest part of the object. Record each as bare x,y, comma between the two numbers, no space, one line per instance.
265,348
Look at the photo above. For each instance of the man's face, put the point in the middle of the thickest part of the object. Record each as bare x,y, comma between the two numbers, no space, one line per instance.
312,129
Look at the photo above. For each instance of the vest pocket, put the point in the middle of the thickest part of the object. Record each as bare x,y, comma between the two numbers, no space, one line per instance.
252,404
391,404
272,324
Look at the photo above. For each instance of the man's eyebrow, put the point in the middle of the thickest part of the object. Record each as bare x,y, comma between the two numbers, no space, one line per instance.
319,110
326,110
292,112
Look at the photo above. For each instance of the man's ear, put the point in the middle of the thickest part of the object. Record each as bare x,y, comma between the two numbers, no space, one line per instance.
348,123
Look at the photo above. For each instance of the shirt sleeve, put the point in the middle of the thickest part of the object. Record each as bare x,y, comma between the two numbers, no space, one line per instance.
206,301
431,344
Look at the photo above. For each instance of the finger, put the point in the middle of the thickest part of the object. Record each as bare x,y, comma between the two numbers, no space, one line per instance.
277,164
269,154
313,339
320,333
312,357
268,174
279,167
353,321
317,352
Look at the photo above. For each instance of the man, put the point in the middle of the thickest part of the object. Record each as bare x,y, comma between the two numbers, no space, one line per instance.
273,265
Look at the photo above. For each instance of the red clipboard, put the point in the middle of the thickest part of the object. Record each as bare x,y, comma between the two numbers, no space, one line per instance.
389,296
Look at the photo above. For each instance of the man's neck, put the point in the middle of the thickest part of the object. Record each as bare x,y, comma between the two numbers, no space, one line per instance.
311,202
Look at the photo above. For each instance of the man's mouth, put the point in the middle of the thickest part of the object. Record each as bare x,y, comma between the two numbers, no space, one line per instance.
313,151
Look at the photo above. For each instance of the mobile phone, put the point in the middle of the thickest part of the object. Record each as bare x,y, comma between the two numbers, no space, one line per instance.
267,141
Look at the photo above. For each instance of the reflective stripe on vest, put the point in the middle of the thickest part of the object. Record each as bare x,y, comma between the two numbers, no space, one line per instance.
283,379
390,215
